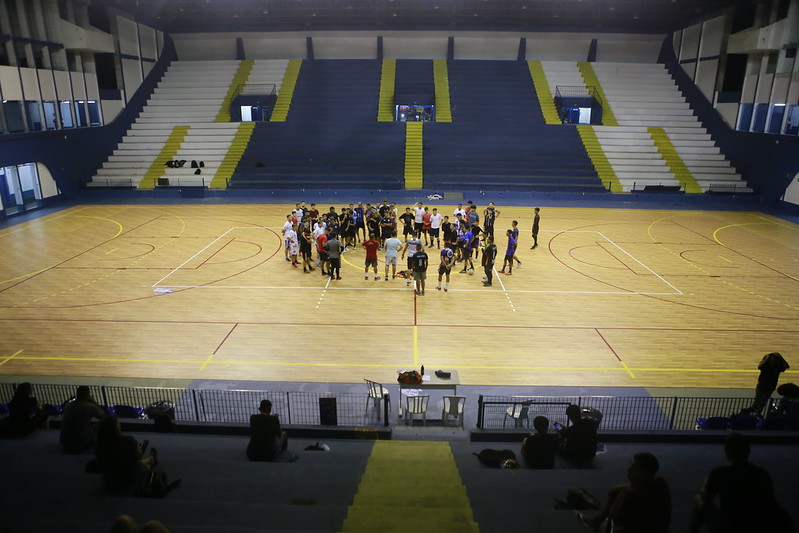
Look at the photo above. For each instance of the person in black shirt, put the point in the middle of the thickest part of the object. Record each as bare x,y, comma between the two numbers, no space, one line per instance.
578,442
267,439
420,268
305,250
489,256
746,502
539,448
407,223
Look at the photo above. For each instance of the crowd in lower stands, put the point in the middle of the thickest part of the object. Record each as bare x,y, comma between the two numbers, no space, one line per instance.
735,498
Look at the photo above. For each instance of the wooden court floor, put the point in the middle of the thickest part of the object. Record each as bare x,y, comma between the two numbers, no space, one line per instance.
612,297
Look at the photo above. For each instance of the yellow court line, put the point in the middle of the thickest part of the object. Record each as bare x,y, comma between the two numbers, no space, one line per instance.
205,364
627,368
9,358
26,225
387,365
112,251
715,238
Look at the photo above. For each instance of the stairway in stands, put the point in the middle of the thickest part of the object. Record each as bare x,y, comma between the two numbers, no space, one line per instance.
642,96
191,93
331,137
498,138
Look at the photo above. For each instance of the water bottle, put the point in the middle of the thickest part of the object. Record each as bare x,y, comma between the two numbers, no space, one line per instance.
423,370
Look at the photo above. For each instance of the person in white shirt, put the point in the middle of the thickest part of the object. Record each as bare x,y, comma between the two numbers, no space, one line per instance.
418,218
393,244
294,245
411,245
287,225
435,228
459,211
318,229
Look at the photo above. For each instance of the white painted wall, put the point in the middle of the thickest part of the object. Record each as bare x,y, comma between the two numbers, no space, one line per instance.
418,45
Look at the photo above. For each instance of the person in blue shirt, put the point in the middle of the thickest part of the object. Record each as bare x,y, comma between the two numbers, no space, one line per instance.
445,267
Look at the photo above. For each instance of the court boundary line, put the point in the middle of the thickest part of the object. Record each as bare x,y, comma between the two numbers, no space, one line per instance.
506,291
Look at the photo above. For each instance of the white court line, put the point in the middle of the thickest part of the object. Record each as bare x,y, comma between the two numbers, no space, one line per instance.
322,296
510,302
509,291
201,251
640,263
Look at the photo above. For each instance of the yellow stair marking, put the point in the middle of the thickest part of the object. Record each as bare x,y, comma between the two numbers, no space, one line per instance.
545,99
281,110
673,160
385,103
411,486
240,78
598,158
441,79
414,169
590,79
168,153
233,156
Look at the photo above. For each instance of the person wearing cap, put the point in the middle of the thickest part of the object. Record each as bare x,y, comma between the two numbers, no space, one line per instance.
78,430
267,439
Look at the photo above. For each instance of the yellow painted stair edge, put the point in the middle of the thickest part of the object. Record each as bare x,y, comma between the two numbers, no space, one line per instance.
385,103
240,78
441,80
414,165
233,156
673,160
284,97
168,152
598,158
590,78
542,90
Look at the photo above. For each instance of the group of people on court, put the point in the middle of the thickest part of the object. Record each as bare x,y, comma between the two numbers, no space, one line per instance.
464,240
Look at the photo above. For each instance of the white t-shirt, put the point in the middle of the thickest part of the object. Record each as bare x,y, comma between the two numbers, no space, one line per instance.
419,214
286,228
318,229
412,246
459,212
435,221
392,247
291,237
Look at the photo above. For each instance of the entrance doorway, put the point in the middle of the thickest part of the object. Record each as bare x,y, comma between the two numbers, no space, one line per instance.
20,189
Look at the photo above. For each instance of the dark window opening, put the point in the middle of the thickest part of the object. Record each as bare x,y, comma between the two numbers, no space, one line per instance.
106,71
734,73
744,17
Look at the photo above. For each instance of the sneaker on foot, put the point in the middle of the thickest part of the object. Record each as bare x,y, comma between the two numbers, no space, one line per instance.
438,288
462,271
519,264
486,284
377,278
287,259
445,289
338,277
502,271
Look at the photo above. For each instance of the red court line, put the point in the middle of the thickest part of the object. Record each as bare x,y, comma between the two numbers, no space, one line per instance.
216,252
608,344
229,333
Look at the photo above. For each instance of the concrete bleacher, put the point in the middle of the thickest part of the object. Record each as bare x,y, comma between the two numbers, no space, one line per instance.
191,93
330,138
498,138
642,95
221,490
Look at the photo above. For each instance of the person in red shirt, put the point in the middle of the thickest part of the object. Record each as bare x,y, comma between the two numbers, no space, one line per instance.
371,246
320,247
426,225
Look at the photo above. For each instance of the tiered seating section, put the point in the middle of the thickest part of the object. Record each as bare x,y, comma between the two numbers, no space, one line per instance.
330,138
497,139
191,93
642,96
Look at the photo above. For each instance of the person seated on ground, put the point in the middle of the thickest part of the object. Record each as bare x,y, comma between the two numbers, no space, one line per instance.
539,448
578,441
746,502
126,524
267,439
25,413
78,431
642,505
119,458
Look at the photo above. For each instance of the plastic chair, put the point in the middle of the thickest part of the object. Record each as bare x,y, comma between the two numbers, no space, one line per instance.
453,406
416,405
519,413
377,393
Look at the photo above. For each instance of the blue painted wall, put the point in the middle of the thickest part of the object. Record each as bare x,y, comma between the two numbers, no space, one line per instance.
766,162
73,156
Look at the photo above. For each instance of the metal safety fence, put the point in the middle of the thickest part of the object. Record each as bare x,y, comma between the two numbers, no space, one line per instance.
625,413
